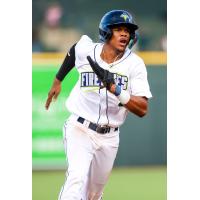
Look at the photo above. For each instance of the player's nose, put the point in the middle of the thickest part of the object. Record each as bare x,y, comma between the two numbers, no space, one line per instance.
124,33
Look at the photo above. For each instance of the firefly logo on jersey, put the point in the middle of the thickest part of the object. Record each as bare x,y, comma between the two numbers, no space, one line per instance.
90,79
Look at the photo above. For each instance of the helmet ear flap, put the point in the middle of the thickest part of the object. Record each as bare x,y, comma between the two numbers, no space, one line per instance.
105,34
109,34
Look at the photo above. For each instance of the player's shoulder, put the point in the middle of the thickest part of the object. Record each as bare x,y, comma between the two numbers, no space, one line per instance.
84,46
85,40
135,58
135,63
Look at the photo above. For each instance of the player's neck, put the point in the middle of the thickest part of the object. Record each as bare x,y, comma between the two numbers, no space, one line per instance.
110,54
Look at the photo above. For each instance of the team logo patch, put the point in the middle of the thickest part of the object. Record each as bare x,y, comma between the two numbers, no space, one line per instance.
125,17
90,79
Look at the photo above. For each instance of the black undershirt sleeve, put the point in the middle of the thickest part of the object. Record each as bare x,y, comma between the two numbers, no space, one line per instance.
67,65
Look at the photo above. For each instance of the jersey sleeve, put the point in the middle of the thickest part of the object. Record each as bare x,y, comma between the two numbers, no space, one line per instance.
83,48
139,81
67,65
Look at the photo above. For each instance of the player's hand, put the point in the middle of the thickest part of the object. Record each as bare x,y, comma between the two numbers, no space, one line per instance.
53,93
106,77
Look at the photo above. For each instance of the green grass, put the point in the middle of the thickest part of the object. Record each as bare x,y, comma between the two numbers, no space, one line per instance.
124,184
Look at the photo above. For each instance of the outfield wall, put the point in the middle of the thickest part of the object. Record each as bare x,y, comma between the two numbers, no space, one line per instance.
142,141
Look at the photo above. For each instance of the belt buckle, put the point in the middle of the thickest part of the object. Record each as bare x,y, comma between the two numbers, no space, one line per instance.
103,129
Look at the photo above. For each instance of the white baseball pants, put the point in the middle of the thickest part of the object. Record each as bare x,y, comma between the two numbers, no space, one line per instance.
90,158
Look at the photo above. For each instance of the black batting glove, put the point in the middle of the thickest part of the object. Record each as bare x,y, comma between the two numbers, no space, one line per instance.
106,77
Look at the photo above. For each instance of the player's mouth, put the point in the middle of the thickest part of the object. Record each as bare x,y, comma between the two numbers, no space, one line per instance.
123,42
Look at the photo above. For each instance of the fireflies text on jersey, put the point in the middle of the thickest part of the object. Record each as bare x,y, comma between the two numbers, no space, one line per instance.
90,79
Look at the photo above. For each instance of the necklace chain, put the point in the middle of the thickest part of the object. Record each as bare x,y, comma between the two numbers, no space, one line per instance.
111,64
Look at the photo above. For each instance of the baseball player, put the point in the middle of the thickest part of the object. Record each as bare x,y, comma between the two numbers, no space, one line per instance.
112,82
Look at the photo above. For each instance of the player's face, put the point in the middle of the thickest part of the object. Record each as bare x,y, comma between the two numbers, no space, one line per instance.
120,37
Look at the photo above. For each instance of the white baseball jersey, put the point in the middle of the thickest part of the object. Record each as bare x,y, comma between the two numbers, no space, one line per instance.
99,105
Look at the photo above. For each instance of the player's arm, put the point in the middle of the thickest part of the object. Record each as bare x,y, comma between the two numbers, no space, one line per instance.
135,104
67,65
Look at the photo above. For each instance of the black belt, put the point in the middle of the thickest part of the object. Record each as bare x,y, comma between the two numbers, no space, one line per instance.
97,128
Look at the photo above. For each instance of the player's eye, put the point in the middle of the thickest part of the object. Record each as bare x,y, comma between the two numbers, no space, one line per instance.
116,29
126,30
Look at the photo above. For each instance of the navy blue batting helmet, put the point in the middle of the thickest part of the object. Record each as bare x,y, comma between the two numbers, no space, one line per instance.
115,18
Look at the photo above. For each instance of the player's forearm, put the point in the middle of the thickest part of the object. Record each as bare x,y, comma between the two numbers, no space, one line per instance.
56,82
55,88
137,105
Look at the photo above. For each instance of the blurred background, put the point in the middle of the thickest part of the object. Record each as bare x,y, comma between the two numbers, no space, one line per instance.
140,167
57,24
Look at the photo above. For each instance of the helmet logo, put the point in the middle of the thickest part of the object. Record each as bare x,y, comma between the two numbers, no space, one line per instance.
124,16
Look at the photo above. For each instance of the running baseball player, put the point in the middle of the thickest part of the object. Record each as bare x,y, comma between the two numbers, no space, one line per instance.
112,82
